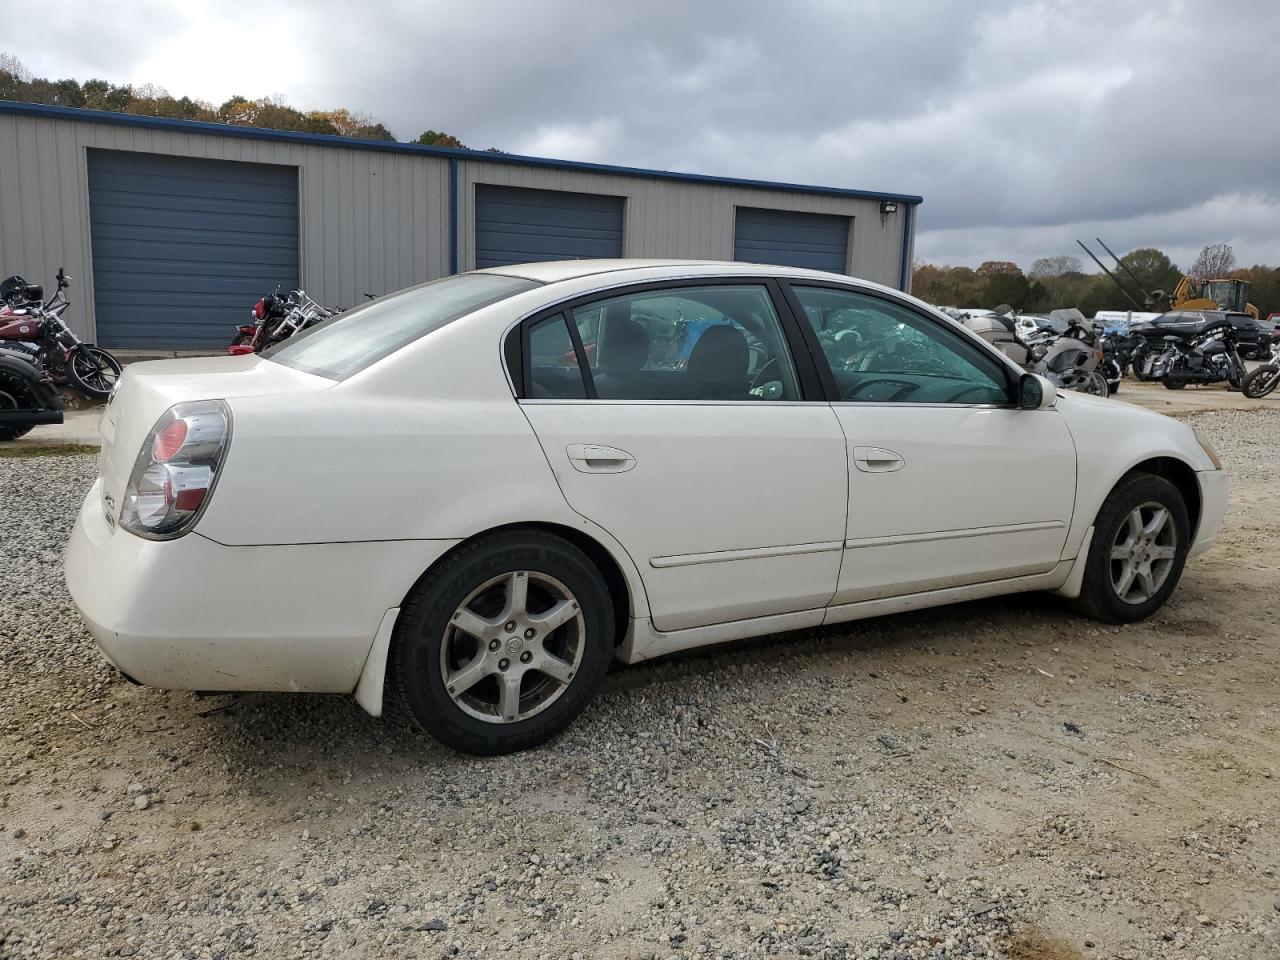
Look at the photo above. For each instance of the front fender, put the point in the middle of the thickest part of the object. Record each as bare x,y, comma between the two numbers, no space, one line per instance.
1111,438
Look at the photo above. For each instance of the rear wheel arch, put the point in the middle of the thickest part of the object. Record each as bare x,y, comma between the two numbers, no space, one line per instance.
601,557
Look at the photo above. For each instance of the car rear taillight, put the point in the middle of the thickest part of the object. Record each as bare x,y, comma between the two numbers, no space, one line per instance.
176,470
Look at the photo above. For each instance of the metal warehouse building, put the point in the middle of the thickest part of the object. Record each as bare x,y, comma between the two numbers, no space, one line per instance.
172,229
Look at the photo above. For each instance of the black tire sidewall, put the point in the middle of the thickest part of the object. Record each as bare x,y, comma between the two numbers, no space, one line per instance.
74,375
1258,374
423,620
1097,592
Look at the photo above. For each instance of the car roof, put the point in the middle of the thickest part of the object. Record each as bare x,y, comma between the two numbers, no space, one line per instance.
558,271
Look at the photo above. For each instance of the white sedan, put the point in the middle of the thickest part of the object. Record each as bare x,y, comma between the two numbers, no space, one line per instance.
475,493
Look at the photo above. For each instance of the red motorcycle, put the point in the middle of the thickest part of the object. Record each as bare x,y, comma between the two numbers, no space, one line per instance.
34,328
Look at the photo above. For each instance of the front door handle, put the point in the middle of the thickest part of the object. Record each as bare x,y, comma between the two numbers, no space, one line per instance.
877,460
597,458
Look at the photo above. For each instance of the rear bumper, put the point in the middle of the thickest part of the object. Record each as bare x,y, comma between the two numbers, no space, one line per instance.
1214,486
196,615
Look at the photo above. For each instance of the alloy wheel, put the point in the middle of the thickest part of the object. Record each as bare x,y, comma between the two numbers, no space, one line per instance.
512,647
93,371
1143,552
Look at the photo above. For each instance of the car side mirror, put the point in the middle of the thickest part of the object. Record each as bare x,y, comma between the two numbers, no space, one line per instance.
1036,392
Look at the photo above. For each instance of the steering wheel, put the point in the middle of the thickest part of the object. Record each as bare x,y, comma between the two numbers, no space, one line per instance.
873,353
906,385
762,375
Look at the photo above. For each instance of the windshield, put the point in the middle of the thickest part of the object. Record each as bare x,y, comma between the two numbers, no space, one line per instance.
1227,294
352,341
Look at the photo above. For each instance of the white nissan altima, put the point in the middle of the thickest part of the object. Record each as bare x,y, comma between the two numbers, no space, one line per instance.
473,494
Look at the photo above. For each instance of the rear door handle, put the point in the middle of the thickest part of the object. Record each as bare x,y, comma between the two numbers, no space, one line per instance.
597,458
877,460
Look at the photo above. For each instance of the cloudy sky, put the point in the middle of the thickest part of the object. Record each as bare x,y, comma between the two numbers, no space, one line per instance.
1023,125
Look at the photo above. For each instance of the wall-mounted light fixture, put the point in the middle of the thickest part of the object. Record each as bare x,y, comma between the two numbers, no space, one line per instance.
886,208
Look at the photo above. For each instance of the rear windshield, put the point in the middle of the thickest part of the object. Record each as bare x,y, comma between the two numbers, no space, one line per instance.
352,341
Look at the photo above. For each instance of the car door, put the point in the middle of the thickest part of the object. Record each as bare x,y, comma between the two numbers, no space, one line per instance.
675,417
950,483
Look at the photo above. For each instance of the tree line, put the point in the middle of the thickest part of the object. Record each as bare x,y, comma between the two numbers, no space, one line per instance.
1060,281
148,100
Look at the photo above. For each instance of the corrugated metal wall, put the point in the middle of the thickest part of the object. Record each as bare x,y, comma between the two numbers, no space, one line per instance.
694,220
373,220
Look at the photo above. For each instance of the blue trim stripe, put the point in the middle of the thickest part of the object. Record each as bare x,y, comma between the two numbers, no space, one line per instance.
453,215
907,213
351,143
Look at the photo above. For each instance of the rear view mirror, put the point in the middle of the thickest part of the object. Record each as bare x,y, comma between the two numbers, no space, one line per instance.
1035,392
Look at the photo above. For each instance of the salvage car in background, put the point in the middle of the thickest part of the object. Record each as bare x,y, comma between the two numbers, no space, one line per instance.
486,524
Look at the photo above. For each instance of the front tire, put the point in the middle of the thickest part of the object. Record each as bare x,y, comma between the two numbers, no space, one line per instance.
1139,547
504,643
93,371
1261,382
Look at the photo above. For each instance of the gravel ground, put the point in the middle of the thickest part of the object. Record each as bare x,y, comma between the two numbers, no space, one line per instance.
997,779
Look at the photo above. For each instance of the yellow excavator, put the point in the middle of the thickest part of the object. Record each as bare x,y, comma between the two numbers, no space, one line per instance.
1229,295
1189,294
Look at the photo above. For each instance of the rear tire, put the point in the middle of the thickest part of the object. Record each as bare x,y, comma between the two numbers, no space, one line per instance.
14,395
1154,553
479,688
1173,383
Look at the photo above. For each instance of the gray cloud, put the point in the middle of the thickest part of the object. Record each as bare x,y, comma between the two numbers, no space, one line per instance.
1023,124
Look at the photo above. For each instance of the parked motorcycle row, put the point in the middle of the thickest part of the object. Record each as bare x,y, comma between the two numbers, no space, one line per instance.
277,318
40,352
1078,355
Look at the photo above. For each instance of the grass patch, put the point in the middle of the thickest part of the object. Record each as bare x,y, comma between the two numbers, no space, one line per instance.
19,451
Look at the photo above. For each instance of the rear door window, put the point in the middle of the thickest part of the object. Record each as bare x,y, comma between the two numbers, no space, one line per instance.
691,343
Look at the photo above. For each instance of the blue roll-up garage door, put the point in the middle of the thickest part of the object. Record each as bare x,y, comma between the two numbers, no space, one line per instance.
818,241
519,225
182,248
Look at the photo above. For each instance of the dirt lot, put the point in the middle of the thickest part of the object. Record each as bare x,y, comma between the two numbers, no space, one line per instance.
994,779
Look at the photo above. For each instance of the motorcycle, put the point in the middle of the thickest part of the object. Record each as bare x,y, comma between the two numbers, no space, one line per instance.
27,396
1210,357
1262,380
1067,355
34,328
277,318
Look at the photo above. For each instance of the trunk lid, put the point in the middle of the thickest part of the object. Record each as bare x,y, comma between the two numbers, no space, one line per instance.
148,389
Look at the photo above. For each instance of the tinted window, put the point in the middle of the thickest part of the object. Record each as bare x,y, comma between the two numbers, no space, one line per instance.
688,343
553,365
362,336
884,353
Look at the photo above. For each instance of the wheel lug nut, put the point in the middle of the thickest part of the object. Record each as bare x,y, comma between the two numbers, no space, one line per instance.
494,644
511,626
526,657
529,634
503,664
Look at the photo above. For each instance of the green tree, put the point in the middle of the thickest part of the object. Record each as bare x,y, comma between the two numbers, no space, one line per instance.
1153,269
1047,267
435,138
17,83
